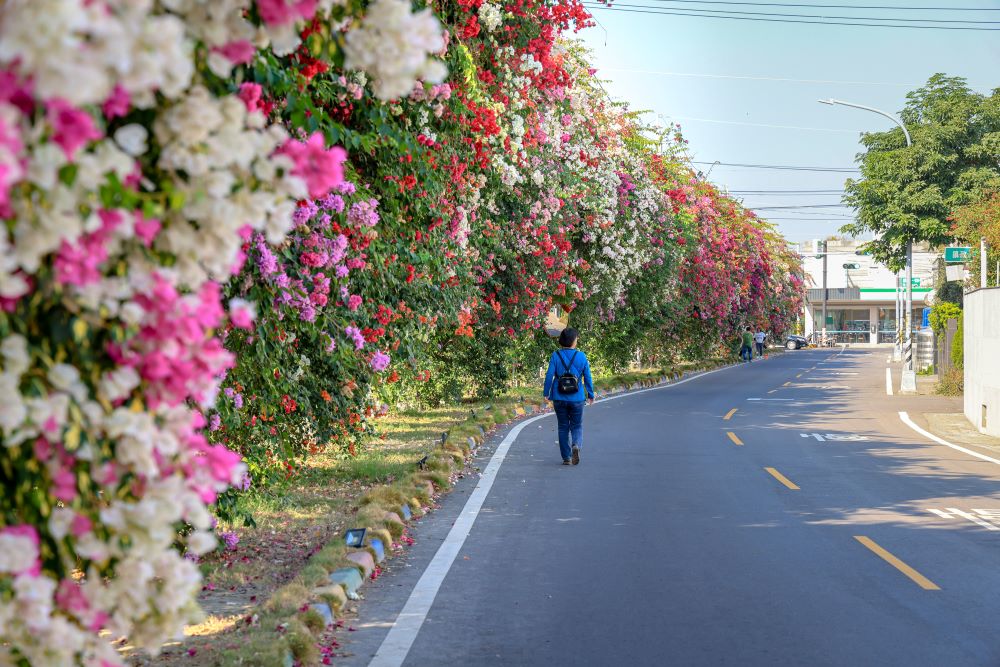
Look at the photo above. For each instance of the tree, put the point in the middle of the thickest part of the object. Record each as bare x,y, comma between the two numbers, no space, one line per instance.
979,220
907,193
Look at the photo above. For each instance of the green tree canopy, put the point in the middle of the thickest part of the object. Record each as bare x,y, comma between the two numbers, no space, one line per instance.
907,193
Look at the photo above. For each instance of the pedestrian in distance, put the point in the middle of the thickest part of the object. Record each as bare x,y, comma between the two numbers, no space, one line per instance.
563,386
758,340
746,349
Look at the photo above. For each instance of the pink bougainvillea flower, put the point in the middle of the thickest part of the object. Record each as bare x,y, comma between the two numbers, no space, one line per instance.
242,313
146,228
70,596
280,12
81,525
79,263
117,104
251,94
72,128
64,485
239,52
321,168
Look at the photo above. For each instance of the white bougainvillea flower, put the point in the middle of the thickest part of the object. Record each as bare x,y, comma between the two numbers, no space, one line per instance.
393,44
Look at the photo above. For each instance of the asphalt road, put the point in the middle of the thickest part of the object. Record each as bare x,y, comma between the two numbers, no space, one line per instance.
680,540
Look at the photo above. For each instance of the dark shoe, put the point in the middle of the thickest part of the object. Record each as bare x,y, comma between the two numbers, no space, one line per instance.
576,455
565,462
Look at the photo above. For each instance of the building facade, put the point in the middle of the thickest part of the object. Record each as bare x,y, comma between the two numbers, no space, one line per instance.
861,293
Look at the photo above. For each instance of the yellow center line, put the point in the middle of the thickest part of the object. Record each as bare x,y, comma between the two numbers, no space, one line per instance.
730,414
918,579
734,438
787,384
781,478
799,375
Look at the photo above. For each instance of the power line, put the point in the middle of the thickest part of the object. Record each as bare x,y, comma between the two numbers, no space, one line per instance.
758,192
788,4
818,16
759,78
773,208
793,193
816,215
772,20
839,170
778,127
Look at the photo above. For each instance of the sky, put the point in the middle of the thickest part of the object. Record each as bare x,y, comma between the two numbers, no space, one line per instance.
733,120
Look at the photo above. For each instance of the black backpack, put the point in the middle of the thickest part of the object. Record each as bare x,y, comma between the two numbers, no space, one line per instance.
568,383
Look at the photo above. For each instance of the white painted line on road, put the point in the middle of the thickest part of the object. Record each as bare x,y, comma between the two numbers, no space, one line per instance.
966,515
957,513
396,645
836,437
888,381
770,399
909,422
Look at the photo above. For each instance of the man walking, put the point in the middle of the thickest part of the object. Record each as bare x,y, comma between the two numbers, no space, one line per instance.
758,339
563,386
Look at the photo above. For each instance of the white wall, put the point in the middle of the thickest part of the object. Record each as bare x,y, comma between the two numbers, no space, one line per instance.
982,358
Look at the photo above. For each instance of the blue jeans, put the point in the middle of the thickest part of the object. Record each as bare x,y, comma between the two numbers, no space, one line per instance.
746,353
570,417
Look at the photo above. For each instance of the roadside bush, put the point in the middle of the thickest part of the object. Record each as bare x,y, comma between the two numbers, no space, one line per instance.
958,346
951,383
941,313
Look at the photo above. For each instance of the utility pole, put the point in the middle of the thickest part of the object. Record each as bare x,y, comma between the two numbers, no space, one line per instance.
824,291
909,382
897,349
982,262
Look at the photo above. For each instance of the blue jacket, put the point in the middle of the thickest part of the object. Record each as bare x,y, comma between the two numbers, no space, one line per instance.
557,366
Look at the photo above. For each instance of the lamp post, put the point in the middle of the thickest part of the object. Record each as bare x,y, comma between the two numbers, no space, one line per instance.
825,292
909,381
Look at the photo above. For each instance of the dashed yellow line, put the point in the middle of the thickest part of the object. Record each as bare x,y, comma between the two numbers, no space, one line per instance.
735,438
730,414
918,579
799,375
781,478
787,384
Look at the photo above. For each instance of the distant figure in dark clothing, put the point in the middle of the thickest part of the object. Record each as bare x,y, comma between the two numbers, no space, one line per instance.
746,347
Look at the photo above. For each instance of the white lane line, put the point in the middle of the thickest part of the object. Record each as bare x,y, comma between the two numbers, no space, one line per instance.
770,399
973,519
888,381
403,633
909,422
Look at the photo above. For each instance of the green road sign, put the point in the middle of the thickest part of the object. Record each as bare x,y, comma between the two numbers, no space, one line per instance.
915,282
852,266
957,254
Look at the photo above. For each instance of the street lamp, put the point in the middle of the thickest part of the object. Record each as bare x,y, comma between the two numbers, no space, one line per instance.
909,381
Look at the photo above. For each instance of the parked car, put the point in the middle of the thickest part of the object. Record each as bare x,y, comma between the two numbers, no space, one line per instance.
795,342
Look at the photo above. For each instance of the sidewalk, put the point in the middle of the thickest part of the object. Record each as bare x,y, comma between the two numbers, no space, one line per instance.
940,415
956,429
